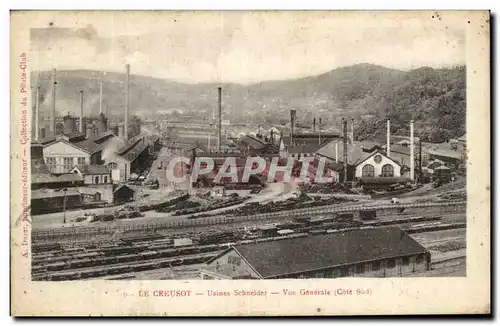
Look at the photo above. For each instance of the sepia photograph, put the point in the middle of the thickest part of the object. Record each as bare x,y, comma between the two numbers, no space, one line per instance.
246,145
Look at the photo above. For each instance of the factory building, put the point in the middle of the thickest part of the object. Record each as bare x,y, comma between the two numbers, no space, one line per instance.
380,252
377,165
133,157
62,154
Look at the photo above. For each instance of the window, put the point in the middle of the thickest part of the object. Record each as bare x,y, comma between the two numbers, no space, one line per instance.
377,159
391,263
105,179
81,160
368,171
112,166
375,266
405,261
387,170
51,162
217,267
96,180
67,163
360,268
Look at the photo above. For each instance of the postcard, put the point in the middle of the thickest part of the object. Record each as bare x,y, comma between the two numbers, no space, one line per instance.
250,163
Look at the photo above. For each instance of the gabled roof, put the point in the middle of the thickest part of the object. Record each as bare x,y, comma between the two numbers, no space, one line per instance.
89,146
296,255
123,187
92,169
380,153
356,152
86,145
103,136
445,150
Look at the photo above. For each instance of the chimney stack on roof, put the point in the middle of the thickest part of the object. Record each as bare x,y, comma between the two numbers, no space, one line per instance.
90,131
292,126
121,130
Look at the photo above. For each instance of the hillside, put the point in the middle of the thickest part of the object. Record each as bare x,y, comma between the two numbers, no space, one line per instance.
435,98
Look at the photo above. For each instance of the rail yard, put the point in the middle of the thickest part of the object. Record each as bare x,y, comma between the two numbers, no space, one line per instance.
138,252
157,198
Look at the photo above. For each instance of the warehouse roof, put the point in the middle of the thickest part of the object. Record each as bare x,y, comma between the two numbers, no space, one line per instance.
103,136
49,178
356,152
296,255
47,193
92,169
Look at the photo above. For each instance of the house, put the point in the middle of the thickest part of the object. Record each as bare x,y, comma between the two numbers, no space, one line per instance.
61,155
93,174
379,252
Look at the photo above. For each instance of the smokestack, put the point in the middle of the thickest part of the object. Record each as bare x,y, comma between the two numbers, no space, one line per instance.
314,124
81,112
53,117
37,113
388,138
412,153
258,130
127,100
352,131
344,123
100,97
292,126
319,132
336,152
272,136
219,120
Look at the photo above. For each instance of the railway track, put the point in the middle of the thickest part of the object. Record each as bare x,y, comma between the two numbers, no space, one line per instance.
149,227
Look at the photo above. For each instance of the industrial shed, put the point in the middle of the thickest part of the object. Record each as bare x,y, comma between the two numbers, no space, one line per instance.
380,252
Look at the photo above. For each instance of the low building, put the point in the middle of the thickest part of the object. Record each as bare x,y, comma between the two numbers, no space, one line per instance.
122,194
450,153
54,200
93,174
379,252
50,181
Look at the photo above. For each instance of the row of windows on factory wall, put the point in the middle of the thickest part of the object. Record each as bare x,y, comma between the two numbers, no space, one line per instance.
368,171
375,267
67,162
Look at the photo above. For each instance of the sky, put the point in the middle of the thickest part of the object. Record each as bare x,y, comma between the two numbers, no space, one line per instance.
243,47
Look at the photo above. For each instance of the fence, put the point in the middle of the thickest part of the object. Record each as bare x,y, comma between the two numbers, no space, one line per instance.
148,228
